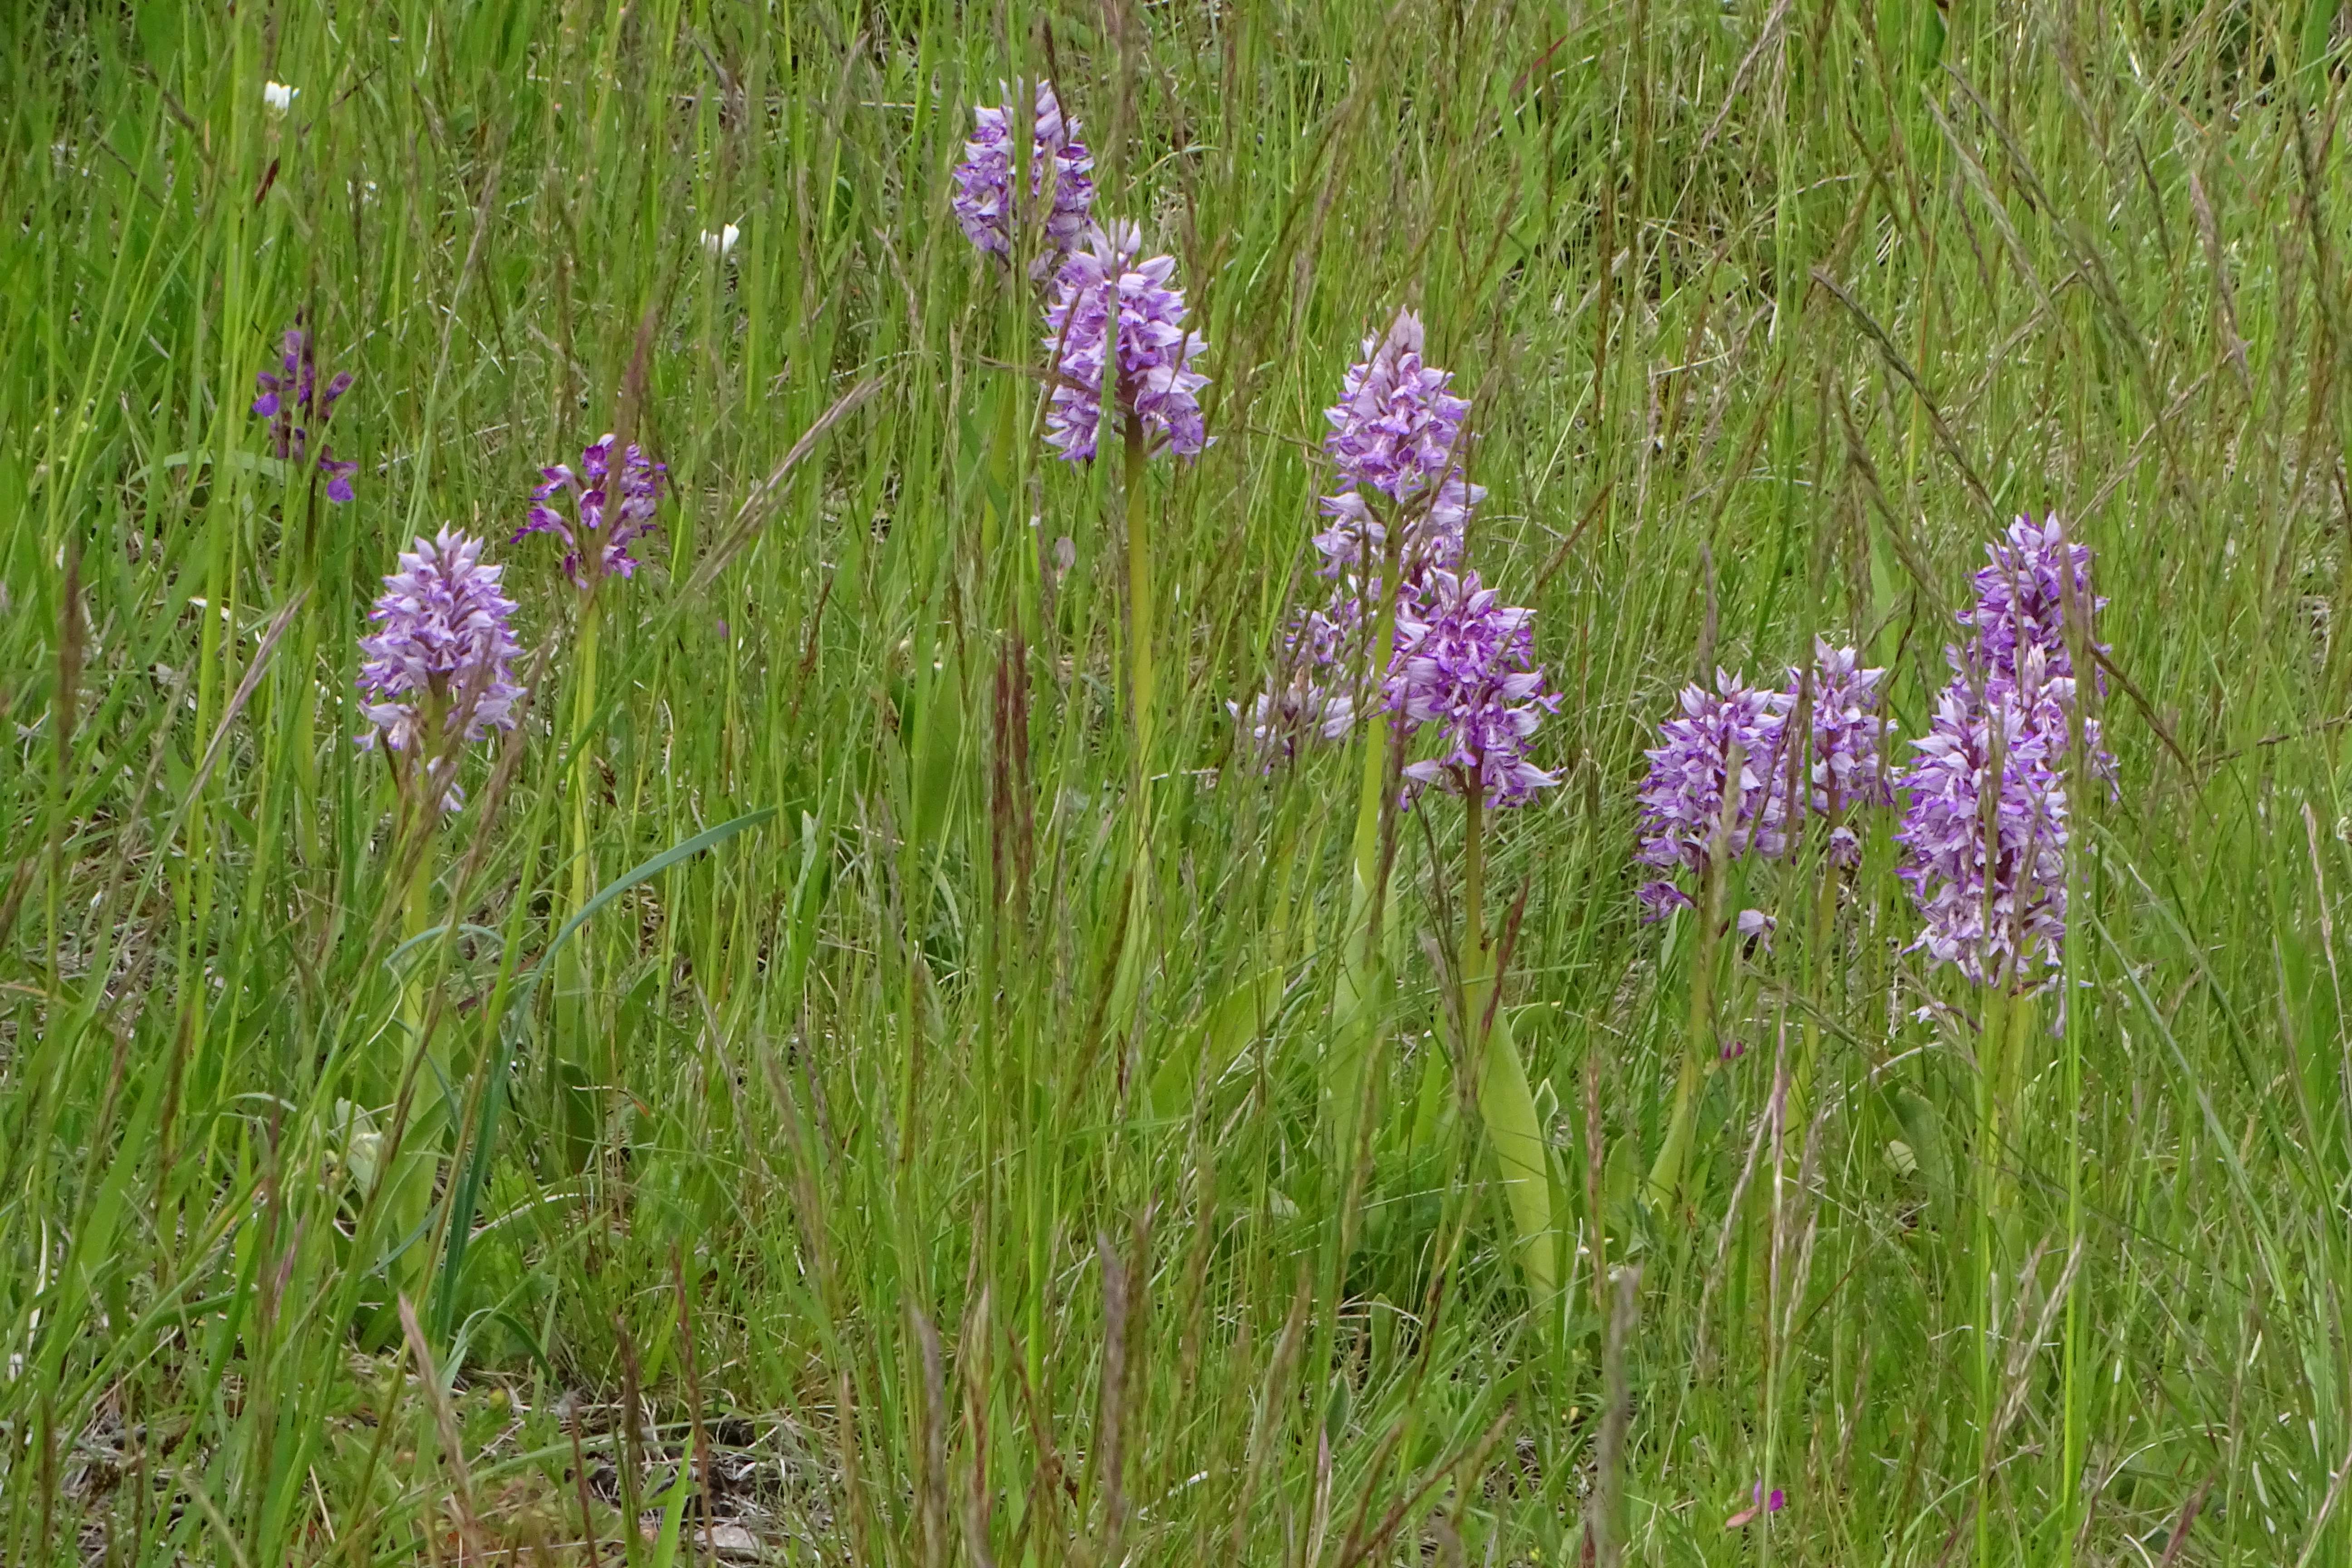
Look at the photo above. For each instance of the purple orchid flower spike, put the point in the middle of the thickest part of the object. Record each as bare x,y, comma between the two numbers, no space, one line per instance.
1989,876
1466,665
1115,313
2021,599
1396,433
296,406
1847,771
1396,425
1684,824
439,667
613,505
1395,441
2020,607
984,200
1986,832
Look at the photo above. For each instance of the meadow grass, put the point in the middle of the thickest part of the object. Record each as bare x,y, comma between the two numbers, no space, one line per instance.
940,1139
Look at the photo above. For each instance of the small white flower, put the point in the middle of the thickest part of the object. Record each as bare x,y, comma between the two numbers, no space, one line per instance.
278,96
722,242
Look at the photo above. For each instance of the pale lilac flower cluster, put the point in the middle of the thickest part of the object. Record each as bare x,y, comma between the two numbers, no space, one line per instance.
2020,604
607,522
1466,664
1433,526
439,665
1115,313
1697,810
1995,902
2021,599
1278,719
1395,425
984,201
1313,692
1396,431
1683,801
1395,440
296,406
1848,768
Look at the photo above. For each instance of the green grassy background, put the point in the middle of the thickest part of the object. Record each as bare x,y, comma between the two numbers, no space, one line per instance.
1772,314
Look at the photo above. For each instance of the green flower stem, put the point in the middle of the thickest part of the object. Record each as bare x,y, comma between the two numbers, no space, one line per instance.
1988,1050
1698,1038
1817,977
1355,1004
2009,1023
409,1196
578,1104
1505,1102
1136,943
1143,680
1355,1013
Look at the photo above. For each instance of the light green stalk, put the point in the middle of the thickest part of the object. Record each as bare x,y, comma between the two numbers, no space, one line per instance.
1505,1102
1355,1013
579,1104
1699,1038
409,1197
1989,1052
1143,688
1136,949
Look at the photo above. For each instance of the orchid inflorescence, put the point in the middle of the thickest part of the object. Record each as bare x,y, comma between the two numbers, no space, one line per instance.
297,407
1116,313
1712,794
1698,814
1985,829
439,665
613,503
1459,659
1113,311
1467,666
1989,876
986,204
1395,433
1986,834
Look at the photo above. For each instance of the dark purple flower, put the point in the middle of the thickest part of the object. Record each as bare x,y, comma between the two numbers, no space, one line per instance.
296,405
1396,426
1692,774
604,528
338,475
1105,293
983,199
1466,665
439,665
1990,875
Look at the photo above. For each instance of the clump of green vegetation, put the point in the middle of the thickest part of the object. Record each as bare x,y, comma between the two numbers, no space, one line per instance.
878,995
